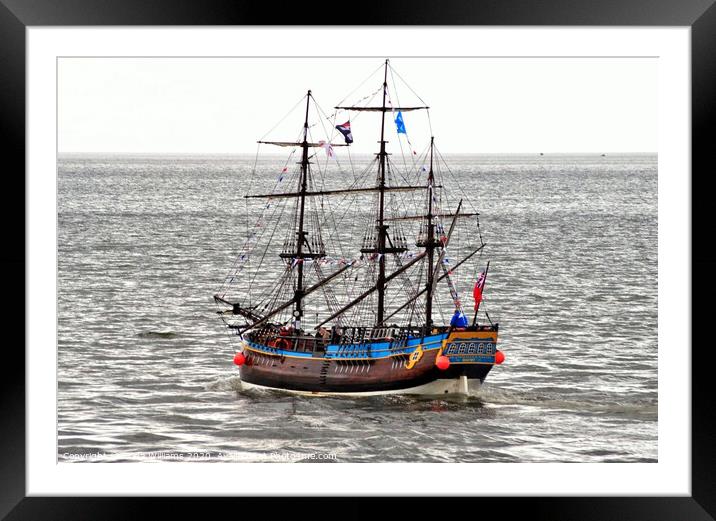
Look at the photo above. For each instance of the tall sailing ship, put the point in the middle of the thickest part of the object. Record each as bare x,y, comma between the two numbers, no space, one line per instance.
350,278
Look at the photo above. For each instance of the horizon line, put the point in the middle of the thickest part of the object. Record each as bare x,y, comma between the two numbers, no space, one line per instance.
253,153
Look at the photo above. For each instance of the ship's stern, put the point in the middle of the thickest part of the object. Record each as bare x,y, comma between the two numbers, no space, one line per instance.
471,353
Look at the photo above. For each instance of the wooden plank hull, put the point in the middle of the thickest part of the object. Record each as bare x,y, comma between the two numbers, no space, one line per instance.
440,387
335,375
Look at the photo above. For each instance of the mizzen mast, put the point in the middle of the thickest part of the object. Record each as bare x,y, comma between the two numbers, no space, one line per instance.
430,244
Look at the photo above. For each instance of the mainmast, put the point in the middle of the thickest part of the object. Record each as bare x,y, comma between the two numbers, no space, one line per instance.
382,244
301,234
382,227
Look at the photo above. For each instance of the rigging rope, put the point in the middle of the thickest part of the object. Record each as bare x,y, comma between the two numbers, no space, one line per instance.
329,233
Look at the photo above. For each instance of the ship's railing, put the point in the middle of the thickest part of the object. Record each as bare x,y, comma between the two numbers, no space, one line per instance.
396,336
360,335
272,336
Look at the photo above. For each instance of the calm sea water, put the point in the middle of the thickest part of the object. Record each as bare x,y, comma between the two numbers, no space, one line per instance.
145,368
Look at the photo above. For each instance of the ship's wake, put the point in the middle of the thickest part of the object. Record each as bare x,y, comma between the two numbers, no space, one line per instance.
473,399
486,395
231,383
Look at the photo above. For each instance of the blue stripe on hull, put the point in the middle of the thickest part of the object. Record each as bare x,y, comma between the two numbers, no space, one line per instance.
273,350
352,351
383,349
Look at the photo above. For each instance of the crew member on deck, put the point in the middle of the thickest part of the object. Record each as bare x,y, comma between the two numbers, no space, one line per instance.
324,333
337,333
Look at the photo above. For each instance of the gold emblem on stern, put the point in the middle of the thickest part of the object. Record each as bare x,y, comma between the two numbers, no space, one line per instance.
415,357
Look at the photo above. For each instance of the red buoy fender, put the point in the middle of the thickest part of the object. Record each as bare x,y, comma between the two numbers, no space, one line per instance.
283,343
443,362
239,358
499,357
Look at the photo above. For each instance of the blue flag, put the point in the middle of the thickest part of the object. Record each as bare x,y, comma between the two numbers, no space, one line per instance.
400,124
458,319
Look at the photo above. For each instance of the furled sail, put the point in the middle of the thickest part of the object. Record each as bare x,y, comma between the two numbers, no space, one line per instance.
382,109
300,144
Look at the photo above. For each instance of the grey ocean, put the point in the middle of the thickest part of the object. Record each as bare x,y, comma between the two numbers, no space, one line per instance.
145,366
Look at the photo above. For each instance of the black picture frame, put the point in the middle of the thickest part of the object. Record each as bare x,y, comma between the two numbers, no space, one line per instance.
699,15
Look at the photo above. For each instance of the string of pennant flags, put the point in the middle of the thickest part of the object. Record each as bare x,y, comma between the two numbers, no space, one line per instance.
332,115
345,130
324,261
251,241
244,256
330,261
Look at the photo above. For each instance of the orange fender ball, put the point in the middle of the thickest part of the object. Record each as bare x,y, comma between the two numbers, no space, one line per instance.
499,357
239,359
443,362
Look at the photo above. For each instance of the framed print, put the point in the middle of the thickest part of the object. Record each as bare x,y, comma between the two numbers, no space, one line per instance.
431,195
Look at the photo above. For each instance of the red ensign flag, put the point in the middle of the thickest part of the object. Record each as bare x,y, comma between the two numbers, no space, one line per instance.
477,290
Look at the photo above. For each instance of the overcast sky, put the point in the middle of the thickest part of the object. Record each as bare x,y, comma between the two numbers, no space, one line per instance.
478,105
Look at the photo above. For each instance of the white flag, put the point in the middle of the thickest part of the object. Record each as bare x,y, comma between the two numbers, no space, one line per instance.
327,147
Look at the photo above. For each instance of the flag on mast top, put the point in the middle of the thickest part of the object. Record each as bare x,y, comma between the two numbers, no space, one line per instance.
345,129
400,124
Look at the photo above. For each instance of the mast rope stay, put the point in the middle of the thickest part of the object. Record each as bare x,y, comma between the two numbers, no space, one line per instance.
284,117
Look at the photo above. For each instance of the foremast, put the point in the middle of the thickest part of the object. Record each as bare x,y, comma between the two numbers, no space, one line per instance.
301,233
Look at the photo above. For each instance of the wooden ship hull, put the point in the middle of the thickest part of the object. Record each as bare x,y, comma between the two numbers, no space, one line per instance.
389,365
